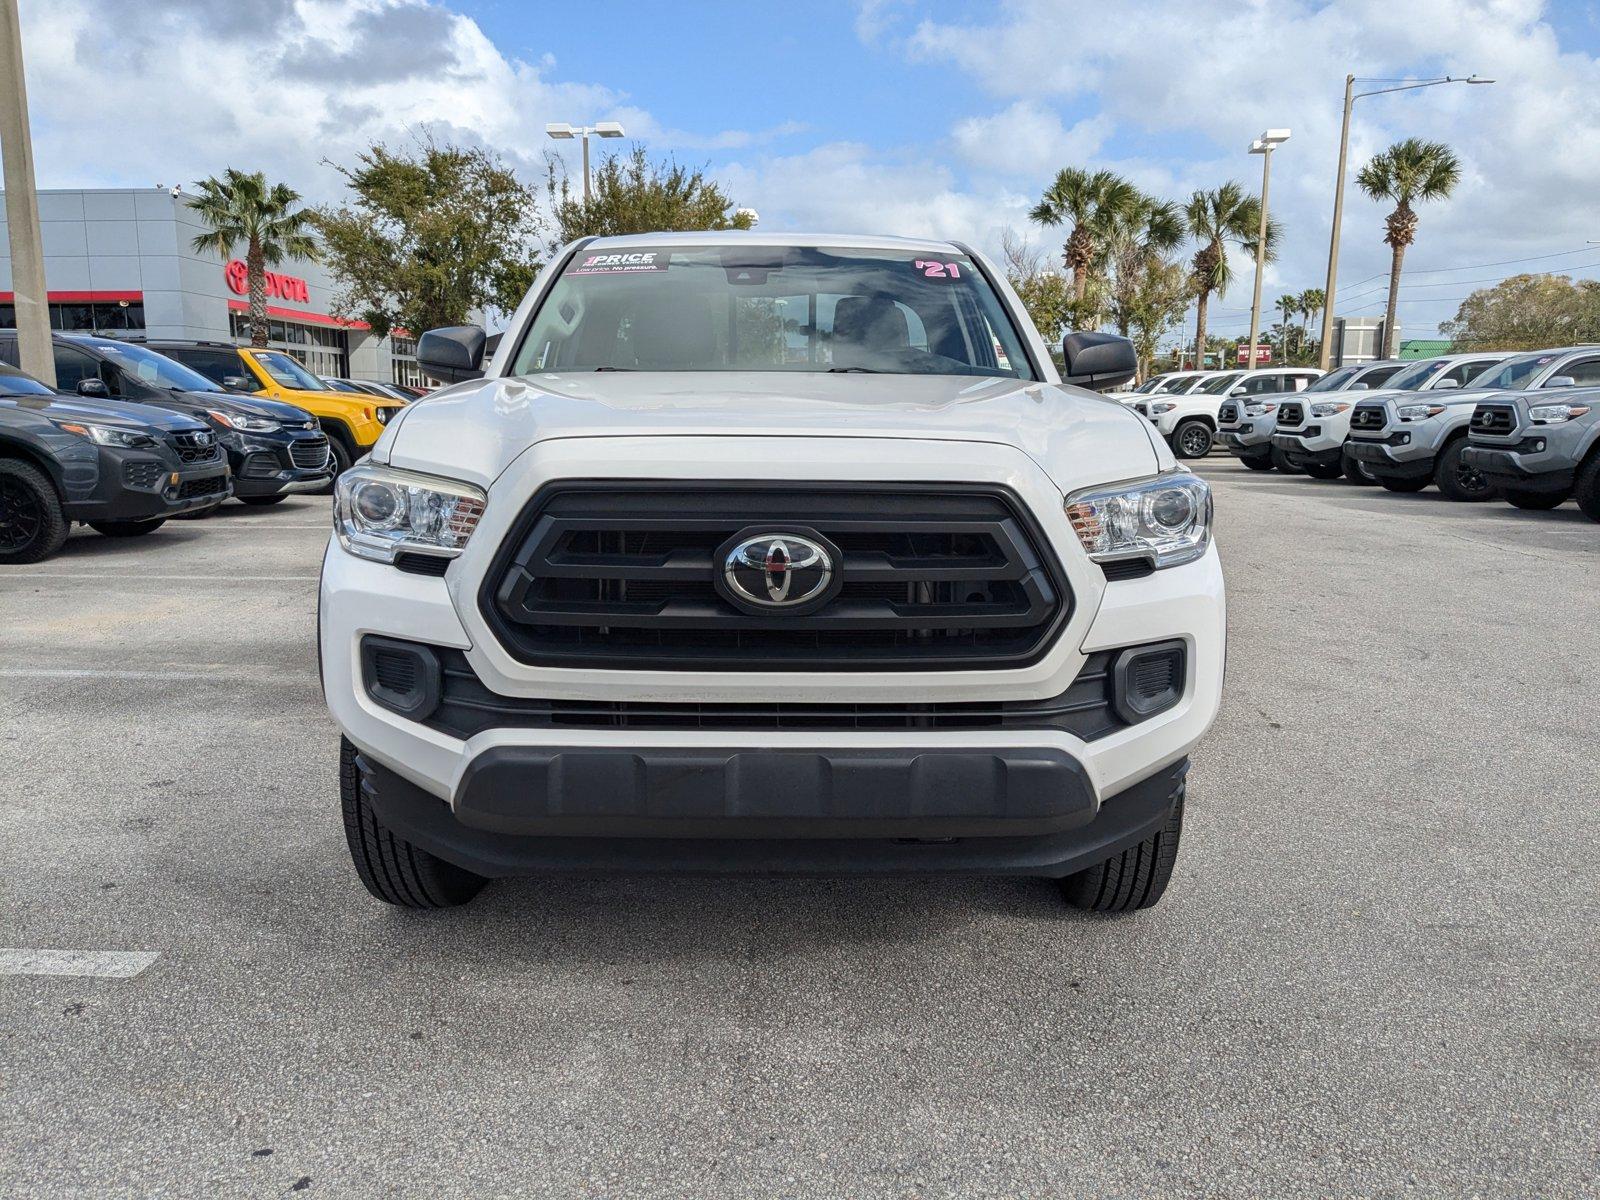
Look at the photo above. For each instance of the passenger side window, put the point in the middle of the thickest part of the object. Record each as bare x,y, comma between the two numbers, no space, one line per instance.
73,367
215,365
1585,372
1461,372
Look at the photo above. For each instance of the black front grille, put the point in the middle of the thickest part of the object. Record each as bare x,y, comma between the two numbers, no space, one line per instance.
1228,413
466,707
1291,413
622,575
309,454
213,486
196,447
1496,420
1369,416
144,475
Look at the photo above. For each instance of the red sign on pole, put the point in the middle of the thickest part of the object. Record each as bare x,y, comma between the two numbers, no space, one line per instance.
1263,354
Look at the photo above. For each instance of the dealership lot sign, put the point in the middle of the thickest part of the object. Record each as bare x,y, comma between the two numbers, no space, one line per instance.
281,287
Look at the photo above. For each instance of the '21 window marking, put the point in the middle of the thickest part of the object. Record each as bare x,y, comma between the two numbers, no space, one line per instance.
937,270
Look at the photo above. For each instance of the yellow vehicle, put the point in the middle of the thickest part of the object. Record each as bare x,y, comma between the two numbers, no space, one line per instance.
351,421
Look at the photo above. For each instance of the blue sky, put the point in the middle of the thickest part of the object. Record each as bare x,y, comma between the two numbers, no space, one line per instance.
883,115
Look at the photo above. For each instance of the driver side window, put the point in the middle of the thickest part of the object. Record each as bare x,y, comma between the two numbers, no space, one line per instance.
1585,372
73,366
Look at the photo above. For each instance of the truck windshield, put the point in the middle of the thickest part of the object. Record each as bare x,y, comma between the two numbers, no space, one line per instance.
1334,381
1409,379
1215,387
772,308
1158,384
1515,374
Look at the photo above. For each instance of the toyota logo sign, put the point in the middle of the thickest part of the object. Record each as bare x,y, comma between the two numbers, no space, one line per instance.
783,570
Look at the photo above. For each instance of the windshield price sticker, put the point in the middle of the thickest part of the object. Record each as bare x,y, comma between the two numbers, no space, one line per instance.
621,262
937,270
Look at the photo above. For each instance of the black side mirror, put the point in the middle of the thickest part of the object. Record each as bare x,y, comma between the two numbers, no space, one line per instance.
95,388
1098,361
237,383
453,353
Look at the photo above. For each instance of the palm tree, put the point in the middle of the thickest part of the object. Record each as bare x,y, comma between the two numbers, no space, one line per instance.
1407,172
1137,240
1311,302
1215,218
1091,202
1288,305
241,209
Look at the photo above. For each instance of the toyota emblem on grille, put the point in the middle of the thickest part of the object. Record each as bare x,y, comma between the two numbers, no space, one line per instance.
777,570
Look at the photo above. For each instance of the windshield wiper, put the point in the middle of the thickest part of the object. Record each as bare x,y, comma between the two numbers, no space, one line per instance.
613,368
854,370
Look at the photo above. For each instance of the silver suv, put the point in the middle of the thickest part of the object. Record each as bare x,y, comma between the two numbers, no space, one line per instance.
1412,433
1539,450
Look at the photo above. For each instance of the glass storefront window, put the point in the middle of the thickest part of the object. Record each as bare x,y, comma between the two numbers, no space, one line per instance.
84,317
320,350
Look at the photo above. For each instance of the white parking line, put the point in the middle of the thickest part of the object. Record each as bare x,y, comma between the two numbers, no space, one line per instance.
95,964
217,675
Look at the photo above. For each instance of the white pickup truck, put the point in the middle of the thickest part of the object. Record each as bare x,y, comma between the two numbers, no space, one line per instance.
1190,420
769,552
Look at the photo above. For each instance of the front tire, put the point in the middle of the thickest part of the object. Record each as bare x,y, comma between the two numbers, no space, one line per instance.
391,868
1192,439
127,529
1587,489
1258,464
1137,878
32,525
1355,470
1280,460
1325,470
1457,481
1534,501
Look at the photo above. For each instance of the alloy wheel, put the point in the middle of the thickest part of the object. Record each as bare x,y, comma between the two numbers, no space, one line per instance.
21,516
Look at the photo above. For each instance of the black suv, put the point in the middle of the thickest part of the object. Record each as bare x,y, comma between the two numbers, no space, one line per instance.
273,449
122,469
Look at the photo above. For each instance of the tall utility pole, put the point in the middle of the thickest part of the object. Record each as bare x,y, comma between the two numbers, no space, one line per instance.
1350,98
1264,146
22,206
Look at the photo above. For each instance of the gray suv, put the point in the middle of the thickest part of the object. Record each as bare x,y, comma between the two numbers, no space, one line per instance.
1539,450
1412,433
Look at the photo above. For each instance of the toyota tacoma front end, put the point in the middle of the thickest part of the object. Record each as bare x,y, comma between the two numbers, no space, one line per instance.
770,554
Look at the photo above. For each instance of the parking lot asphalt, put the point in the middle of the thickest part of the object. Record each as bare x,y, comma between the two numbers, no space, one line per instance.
1375,972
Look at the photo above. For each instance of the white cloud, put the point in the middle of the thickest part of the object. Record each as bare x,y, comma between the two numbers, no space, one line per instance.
1202,79
1016,140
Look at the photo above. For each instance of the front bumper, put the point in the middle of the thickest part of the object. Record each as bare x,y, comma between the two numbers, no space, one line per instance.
1389,459
519,781
1072,838
1301,450
143,485
1527,470
272,464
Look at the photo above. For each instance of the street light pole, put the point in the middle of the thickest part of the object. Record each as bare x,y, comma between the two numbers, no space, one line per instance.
32,302
1350,98
1264,146
564,132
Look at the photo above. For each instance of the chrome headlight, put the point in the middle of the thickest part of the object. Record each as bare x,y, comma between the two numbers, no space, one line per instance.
108,435
1259,410
1157,409
1555,414
1418,412
1166,519
244,422
379,512
1328,408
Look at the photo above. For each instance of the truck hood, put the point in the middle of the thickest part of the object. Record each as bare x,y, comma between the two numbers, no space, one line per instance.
473,431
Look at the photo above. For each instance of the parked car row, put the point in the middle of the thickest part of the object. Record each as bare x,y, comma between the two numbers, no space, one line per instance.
140,431
1475,426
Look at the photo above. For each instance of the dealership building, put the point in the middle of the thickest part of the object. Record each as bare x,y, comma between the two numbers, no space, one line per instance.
122,261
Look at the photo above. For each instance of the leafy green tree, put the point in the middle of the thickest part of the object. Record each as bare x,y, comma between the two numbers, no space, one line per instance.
1043,292
1137,241
1216,218
631,194
1288,305
1527,312
1406,173
1091,203
1152,299
242,209
430,235
1312,302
